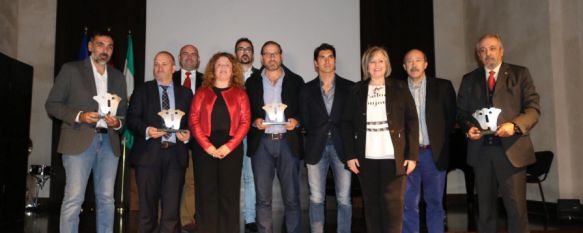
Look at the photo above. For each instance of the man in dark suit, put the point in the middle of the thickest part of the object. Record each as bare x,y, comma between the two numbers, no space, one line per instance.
436,108
244,52
275,147
189,77
89,140
160,158
322,103
499,160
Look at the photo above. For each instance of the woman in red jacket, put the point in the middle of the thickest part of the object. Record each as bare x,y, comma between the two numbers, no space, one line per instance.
219,119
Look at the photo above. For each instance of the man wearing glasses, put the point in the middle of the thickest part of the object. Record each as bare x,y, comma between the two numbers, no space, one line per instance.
274,143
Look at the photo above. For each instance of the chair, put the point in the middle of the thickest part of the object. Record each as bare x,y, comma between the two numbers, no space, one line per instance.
537,173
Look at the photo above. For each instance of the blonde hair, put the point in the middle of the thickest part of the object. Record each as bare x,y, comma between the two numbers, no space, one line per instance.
367,56
209,74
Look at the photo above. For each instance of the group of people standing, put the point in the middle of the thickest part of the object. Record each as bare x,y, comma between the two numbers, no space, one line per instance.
393,134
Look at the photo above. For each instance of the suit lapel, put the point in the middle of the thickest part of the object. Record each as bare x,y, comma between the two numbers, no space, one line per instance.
338,88
503,82
316,90
90,78
431,95
388,92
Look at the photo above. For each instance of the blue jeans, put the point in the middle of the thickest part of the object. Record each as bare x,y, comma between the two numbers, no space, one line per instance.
99,158
276,156
432,180
248,187
317,181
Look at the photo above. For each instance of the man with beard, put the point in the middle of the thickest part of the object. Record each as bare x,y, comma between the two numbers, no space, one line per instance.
500,159
244,53
435,102
189,62
160,157
275,148
89,140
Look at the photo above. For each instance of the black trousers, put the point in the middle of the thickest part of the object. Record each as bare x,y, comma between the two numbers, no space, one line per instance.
160,184
383,195
218,185
496,175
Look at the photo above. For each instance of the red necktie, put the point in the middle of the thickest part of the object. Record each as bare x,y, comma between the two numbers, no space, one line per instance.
187,80
491,81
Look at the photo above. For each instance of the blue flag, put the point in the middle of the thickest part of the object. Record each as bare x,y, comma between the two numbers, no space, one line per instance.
83,52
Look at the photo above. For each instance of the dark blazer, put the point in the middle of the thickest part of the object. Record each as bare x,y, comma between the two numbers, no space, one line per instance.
292,84
440,113
401,115
177,79
72,92
516,96
316,121
143,112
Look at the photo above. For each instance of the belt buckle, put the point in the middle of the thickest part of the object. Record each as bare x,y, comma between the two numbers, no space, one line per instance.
100,130
424,147
276,136
166,145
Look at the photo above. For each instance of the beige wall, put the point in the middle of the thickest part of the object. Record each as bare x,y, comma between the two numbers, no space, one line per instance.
546,37
28,34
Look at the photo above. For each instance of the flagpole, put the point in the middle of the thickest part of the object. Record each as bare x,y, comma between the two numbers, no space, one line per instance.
122,206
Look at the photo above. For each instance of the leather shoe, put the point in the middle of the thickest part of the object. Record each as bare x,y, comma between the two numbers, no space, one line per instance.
251,228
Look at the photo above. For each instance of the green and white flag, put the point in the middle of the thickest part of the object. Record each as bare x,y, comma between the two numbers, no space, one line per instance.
128,72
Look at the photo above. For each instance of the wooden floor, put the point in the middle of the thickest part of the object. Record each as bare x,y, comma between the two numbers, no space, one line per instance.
459,218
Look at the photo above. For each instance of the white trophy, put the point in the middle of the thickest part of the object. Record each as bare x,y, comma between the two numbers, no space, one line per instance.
488,119
172,118
107,104
274,114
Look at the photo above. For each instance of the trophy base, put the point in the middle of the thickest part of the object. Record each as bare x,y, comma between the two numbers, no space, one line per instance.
172,130
274,123
487,132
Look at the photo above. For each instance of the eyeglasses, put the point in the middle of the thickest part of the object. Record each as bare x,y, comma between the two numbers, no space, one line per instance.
243,49
271,54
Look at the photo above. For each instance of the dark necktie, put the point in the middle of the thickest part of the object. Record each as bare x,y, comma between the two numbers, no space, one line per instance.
187,80
165,103
165,99
491,81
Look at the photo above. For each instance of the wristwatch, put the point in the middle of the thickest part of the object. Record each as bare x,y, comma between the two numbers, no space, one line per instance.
516,128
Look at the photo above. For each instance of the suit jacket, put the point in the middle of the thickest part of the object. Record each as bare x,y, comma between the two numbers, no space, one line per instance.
440,113
73,92
516,96
292,84
401,115
178,82
316,120
143,112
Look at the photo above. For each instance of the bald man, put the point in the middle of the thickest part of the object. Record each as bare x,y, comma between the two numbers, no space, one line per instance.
160,158
436,108
189,77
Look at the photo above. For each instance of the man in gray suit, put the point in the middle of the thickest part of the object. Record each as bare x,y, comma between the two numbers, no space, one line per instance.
89,140
499,160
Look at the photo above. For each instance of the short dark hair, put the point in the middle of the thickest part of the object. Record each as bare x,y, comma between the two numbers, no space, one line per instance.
271,43
167,53
96,33
244,39
322,47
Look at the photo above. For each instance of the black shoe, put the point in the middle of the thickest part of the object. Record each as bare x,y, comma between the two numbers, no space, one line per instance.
251,228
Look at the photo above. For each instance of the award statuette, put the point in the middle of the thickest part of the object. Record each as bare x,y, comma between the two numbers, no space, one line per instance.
171,119
107,103
488,119
274,114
